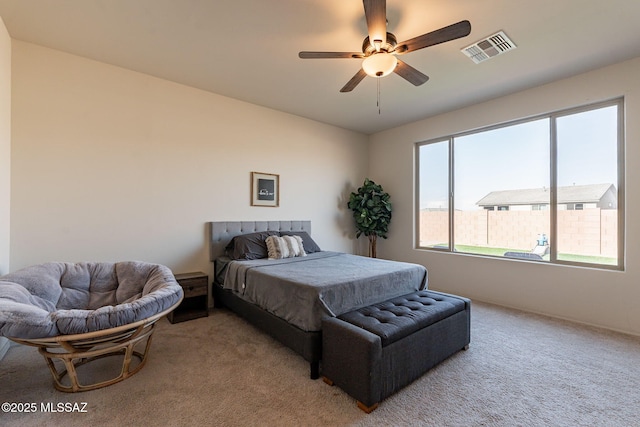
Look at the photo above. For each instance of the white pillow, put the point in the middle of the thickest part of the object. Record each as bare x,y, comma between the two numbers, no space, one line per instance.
279,247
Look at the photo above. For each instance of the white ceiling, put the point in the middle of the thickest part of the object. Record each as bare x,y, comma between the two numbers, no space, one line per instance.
248,49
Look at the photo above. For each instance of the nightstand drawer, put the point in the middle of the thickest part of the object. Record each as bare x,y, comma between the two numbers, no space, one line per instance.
194,287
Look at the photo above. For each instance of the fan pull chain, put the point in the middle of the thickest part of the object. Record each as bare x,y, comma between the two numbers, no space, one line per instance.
378,102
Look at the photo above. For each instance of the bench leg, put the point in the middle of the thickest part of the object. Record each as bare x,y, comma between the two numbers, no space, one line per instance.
314,370
365,408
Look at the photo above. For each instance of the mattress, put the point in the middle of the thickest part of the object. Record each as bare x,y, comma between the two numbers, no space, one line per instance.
303,290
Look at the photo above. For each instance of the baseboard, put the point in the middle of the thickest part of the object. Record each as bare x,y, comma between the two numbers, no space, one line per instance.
4,347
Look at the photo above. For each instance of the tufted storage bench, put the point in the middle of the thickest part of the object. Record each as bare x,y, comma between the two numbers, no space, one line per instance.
374,351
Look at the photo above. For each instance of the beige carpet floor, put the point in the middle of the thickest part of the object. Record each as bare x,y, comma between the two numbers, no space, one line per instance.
521,370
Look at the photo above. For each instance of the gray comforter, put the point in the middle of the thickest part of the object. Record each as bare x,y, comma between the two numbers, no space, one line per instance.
303,290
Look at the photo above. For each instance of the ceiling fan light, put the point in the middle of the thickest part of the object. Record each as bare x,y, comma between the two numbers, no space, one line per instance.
379,64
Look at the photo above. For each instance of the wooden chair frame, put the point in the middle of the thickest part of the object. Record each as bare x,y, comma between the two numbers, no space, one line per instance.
80,349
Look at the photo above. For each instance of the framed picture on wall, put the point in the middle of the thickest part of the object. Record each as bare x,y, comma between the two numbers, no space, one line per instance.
265,189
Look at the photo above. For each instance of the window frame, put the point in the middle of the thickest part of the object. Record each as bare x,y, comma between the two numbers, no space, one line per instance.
553,205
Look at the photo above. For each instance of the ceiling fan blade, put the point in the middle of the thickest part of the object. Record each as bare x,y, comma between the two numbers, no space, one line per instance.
351,84
445,34
376,14
410,74
317,55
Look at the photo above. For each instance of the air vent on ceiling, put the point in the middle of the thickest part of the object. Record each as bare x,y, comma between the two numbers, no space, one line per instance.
489,47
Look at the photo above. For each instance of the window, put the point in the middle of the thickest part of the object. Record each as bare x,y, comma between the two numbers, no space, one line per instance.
497,190
434,174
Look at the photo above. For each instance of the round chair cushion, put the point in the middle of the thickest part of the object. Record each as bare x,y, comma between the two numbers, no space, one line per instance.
58,298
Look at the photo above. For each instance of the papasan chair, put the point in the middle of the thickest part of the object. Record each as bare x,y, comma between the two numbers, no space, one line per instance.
76,313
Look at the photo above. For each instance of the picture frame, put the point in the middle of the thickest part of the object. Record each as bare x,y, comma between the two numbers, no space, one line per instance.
265,189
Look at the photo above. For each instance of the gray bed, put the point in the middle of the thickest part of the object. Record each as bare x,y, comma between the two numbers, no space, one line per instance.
288,298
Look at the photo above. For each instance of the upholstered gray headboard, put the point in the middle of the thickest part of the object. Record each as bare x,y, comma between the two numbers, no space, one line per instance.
221,232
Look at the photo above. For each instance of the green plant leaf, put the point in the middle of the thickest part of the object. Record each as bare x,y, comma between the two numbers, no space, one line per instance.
371,208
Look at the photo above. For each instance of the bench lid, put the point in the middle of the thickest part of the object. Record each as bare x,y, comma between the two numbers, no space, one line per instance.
399,317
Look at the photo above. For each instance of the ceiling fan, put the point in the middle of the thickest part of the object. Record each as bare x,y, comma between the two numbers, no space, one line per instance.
379,48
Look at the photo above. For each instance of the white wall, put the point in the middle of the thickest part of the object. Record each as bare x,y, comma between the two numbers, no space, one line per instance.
5,146
605,298
110,164
5,156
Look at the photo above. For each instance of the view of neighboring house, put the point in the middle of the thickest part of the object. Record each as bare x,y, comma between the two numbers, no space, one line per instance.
574,197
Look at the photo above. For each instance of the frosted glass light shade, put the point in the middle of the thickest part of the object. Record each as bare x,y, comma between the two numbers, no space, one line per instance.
379,64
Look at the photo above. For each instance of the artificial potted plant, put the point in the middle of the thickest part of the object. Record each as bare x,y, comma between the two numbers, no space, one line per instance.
371,208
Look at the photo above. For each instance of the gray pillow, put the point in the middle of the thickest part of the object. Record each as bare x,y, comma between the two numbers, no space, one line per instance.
309,245
249,246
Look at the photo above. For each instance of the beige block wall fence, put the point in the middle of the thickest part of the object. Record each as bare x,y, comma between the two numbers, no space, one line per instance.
587,232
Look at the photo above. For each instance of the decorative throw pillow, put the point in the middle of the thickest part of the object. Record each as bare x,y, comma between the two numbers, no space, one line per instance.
310,246
249,246
284,247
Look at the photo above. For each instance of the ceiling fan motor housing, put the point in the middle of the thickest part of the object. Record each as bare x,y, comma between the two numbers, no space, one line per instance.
369,48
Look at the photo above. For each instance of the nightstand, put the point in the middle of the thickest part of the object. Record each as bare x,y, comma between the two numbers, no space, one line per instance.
196,297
